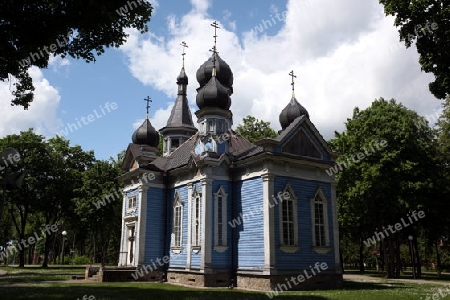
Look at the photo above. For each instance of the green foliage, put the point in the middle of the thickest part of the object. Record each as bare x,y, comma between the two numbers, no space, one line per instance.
31,32
383,187
81,260
101,225
426,23
61,182
254,130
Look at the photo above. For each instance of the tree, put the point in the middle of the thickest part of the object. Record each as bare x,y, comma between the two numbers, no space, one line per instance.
426,23
386,183
33,163
31,31
100,221
254,129
67,164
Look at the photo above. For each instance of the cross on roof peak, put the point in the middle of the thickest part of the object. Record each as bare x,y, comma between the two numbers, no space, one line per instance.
292,83
184,45
216,26
148,100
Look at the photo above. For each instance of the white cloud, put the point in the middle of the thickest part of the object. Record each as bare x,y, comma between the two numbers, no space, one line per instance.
41,114
345,56
200,6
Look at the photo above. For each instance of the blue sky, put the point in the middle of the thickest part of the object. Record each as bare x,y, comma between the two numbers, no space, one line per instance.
345,56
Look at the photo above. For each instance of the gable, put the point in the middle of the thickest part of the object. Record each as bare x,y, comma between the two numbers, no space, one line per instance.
301,144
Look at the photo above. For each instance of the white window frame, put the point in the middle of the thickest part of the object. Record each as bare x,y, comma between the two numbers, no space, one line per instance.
177,246
319,198
284,246
196,220
131,203
203,128
211,126
220,245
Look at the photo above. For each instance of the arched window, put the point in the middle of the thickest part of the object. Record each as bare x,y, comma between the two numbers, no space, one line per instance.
196,218
177,230
287,203
220,217
319,217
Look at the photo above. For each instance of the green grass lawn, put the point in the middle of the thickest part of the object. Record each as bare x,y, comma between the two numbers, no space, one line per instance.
33,289
36,274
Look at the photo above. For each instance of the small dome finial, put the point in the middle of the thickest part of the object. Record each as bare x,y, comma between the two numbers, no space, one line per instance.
292,83
184,45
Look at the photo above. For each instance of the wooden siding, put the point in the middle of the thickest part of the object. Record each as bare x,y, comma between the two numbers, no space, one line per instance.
250,234
154,233
178,260
302,259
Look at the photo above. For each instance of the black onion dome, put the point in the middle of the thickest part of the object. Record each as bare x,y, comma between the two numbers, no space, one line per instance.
146,135
182,78
223,72
213,94
291,112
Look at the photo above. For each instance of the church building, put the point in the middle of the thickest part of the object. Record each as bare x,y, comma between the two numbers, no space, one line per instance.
221,210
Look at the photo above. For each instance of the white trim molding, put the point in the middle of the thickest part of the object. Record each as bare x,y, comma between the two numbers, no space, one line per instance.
196,214
177,246
220,245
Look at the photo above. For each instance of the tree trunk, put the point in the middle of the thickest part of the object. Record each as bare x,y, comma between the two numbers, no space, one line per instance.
418,260
47,244
361,256
21,255
30,254
438,260
388,257
381,257
398,264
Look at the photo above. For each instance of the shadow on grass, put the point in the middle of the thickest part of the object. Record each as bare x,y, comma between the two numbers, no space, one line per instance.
33,278
426,275
375,285
135,291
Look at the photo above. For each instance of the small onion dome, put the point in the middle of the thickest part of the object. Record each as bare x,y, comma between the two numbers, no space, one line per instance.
291,112
223,72
146,135
182,78
213,94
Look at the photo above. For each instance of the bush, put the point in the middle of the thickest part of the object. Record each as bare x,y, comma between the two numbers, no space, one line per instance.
81,260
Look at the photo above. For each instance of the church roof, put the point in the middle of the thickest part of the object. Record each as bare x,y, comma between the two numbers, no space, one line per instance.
180,115
240,149
146,135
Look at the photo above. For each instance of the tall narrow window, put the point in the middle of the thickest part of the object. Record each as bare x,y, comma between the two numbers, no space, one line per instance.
177,231
220,217
319,217
196,217
288,222
196,241
132,203
175,143
219,221
319,223
211,126
287,202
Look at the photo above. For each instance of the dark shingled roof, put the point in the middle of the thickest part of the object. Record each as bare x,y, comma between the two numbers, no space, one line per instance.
240,148
181,114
